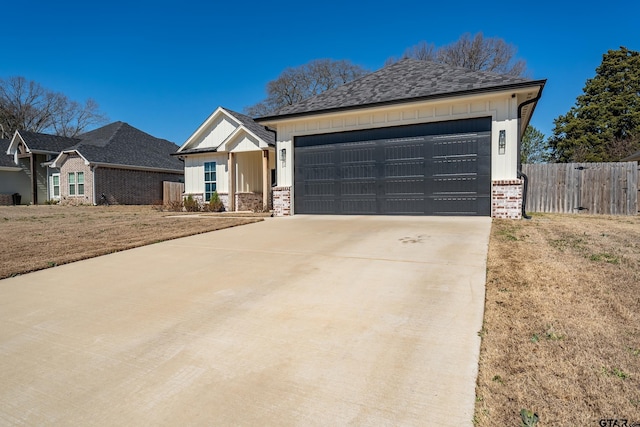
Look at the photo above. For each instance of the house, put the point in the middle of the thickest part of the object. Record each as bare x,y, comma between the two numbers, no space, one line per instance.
32,152
414,138
232,155
116,163
13,180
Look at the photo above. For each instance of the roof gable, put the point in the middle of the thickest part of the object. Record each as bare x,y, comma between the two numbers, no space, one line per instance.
5,159
221,128
405,81
41,142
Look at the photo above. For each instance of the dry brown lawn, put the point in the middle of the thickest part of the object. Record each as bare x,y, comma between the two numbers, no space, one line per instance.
37,237
561,334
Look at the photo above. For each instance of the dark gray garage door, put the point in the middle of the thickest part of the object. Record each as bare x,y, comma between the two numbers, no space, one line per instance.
439,168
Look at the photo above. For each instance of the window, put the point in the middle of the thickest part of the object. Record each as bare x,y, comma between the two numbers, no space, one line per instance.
76,183
209,180
56,185
80,176
72,183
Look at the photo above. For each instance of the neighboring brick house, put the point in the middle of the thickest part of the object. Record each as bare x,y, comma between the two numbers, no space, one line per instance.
116,163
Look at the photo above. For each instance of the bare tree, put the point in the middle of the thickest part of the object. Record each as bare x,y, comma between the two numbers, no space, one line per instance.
26,105
476,53
297,83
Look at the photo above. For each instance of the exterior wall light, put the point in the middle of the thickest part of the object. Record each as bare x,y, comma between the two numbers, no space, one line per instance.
283,154
502,142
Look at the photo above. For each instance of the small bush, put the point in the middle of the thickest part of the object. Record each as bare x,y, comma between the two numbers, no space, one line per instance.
215,204
191,204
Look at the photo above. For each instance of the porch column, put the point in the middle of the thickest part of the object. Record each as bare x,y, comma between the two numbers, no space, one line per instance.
232,182
34,179
265,178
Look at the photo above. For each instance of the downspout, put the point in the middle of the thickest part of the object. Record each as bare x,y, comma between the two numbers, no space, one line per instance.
520,174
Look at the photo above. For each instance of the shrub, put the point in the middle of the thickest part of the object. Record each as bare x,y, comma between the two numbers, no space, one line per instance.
215,204
191,204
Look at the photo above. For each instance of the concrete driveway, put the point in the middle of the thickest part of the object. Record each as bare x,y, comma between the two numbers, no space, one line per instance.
309,320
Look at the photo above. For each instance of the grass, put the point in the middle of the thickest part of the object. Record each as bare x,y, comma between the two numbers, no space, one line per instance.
561,334
45,236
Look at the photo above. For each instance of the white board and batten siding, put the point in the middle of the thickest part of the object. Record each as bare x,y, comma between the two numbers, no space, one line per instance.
194,172
219,130
501,107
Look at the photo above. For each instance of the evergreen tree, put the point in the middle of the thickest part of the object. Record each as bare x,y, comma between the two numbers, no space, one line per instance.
604,125
534,148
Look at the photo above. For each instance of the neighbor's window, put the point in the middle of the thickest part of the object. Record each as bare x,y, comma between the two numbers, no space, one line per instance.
80,176
209,179
76,184
56,185
72,183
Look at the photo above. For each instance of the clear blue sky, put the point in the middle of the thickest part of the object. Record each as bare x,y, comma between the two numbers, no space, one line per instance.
163,66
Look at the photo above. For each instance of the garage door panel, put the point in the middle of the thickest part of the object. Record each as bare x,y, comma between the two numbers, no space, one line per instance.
403,206
414,174
359,205
453,205
358,188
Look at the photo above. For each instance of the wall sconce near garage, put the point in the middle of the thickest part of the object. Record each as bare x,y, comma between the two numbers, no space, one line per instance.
283,154
502,142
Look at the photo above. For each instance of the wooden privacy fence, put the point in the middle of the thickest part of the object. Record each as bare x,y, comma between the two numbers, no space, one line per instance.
172,192
595,188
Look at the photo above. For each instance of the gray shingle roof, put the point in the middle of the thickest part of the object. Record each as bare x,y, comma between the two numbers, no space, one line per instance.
404,81
5,159
42,142
262,132
121,144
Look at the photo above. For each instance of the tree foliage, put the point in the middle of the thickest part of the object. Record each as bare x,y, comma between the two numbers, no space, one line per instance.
534,148
604,124
474,52
27,105
297,83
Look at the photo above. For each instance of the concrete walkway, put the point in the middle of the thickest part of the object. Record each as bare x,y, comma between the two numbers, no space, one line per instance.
308,320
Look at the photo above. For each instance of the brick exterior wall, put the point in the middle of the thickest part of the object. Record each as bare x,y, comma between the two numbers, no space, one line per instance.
249,202
506,199
75,164
281,201
132,187
244,201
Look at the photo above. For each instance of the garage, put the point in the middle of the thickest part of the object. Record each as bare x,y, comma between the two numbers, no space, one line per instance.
441,168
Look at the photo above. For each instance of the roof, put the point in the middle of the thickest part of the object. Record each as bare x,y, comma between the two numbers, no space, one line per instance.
42,142
259,130
632,158
246,124
6,160
405,81
119,143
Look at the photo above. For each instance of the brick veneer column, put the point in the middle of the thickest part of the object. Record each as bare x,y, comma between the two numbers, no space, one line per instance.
281,201
506,199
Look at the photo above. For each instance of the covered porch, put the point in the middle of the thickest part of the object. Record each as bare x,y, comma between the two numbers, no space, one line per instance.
250,177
